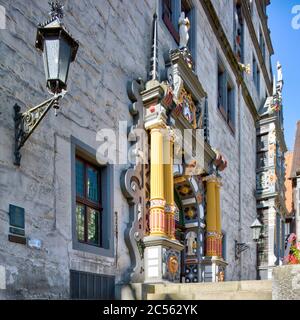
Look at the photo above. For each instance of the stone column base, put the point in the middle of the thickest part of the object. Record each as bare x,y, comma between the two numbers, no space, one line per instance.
213,269
162,259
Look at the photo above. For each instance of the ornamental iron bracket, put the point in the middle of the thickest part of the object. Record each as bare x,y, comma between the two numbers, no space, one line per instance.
27,122
239,248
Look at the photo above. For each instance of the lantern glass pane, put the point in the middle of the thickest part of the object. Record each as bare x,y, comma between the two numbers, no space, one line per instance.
45,63
64,60
256,232
52,57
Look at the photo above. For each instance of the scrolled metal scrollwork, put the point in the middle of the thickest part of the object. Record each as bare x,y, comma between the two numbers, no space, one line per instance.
26,122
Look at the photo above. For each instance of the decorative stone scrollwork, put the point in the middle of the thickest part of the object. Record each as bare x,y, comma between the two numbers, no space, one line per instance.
133,187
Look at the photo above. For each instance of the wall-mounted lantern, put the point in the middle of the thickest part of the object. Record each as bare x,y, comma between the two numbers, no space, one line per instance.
256,228
59,50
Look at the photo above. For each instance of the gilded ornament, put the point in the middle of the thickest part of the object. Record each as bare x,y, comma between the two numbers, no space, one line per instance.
173,264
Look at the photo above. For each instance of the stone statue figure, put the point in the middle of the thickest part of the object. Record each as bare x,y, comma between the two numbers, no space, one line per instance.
279,78
191,243
184,27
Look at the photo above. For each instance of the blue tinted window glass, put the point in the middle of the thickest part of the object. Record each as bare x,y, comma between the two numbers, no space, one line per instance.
79,178
92,184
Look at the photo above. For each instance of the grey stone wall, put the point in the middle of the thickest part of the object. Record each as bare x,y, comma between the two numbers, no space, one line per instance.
114,48
286,283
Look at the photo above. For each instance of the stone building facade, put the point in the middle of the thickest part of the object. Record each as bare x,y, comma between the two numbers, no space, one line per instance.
293,179
61,249
271,175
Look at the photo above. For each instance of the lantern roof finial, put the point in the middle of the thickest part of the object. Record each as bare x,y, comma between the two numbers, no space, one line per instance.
57,11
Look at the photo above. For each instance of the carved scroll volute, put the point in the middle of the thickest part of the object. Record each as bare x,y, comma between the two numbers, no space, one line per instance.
132,185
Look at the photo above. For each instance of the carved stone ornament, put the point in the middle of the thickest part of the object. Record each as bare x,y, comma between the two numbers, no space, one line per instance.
133,188
171,261
185,106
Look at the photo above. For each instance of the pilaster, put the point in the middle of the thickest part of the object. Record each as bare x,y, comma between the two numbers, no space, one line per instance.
169,185
218,218
162,251
157,200
211,217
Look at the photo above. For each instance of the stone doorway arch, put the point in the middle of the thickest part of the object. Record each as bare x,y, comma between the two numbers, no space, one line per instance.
190,222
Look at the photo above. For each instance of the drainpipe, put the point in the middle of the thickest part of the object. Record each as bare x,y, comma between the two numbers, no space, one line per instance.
240,176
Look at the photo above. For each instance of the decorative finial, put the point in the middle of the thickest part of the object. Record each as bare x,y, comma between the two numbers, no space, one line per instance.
56,10
245,67
153,75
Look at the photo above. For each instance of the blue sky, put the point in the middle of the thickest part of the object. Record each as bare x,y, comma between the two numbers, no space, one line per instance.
286,43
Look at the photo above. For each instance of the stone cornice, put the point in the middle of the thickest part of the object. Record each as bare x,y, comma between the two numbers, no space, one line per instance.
265,28
209,153
150,241
248,19
152,94
189,78
228,52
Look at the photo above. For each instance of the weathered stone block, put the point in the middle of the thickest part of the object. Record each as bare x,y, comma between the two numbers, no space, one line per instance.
286,282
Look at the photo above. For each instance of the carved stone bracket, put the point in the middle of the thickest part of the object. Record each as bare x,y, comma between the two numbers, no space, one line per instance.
133,188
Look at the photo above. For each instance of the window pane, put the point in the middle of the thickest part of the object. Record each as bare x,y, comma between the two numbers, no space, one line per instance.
92,184
80,222
79,178
16,217
221,83
93,226
230,104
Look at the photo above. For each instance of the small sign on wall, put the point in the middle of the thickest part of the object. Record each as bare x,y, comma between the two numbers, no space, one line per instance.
35,243
16,220
16,224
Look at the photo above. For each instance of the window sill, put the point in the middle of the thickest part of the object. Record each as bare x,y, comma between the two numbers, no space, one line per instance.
91,249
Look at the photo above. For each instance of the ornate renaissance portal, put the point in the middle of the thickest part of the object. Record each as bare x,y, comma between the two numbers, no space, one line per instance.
175,231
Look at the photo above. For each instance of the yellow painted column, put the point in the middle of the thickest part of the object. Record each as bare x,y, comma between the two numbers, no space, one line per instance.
218,219
157,201
211,217
169,186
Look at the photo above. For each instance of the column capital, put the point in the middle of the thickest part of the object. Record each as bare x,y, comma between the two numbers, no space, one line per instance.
157,129
157,203
155,117
213,178
170,209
